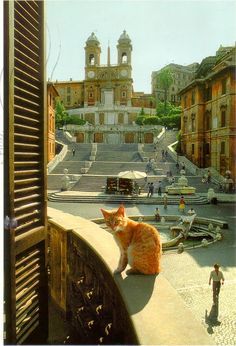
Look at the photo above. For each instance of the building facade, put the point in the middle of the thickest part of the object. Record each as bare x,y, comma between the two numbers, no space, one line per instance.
71,93
208,122
182,75
51,96
105,96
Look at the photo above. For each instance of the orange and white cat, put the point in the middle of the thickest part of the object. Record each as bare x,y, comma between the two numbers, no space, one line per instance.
139,243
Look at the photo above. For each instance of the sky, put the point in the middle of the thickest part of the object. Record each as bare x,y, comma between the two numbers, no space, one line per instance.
162,32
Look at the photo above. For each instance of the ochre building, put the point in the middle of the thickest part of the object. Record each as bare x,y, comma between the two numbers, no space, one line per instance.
208,121
52,94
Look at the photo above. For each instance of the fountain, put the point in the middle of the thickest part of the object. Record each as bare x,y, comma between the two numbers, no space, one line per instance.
181,187
182,232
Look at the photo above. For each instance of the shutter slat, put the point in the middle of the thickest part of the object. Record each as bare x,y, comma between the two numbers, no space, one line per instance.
31,172
27,257
26,128
26,136
26,189
28,332
26,85
26,226
27,94
31,62
24,119
24,286
22,65
27,274
25,301
19,45
27,13
25,326
26,163
25,154
31,78
26,216
27,27
29,4
22,33
27,206
26,265
23,313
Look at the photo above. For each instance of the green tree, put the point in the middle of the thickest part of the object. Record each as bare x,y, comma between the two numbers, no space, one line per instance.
165,79
61,114
75,120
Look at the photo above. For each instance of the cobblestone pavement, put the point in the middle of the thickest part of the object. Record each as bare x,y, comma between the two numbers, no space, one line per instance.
191,282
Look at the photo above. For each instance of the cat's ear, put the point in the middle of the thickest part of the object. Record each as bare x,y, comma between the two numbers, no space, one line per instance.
121,210
104,212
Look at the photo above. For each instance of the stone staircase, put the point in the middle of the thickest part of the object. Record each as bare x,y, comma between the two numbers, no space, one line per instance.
122,153
113,168
102,198
90,183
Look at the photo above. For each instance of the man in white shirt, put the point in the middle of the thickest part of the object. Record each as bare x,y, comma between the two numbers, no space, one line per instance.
217,278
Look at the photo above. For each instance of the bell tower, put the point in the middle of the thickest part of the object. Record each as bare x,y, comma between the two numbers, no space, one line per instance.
124,49
92,51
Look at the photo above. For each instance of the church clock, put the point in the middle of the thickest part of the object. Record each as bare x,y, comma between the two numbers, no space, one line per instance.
91,74
123,73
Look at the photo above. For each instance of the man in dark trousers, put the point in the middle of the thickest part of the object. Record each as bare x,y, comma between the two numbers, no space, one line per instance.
218,278
150,190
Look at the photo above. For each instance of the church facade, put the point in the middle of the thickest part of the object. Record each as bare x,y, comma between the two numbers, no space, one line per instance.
108,84
105,98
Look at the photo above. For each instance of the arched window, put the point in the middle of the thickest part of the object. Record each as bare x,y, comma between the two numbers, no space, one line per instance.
207,120
124,58
91,59
193,123
223,116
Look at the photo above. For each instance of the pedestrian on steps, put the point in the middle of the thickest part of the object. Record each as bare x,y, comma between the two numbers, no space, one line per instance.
182,204
165,200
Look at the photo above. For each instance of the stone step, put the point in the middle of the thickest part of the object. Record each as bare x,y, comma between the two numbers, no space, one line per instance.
191,200
123,156
113,168
74,167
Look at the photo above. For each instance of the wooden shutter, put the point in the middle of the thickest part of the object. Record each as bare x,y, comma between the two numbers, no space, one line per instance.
25,173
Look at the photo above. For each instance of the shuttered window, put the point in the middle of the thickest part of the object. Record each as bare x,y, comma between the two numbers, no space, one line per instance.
25,169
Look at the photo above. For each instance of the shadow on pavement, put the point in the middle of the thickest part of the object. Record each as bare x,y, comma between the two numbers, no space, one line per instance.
137,290
211,319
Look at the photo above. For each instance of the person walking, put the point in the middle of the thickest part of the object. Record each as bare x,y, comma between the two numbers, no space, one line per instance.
151,190
191,211
157,215
159,188
73,152
208,176
177,166
182,204
165,200
217,278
